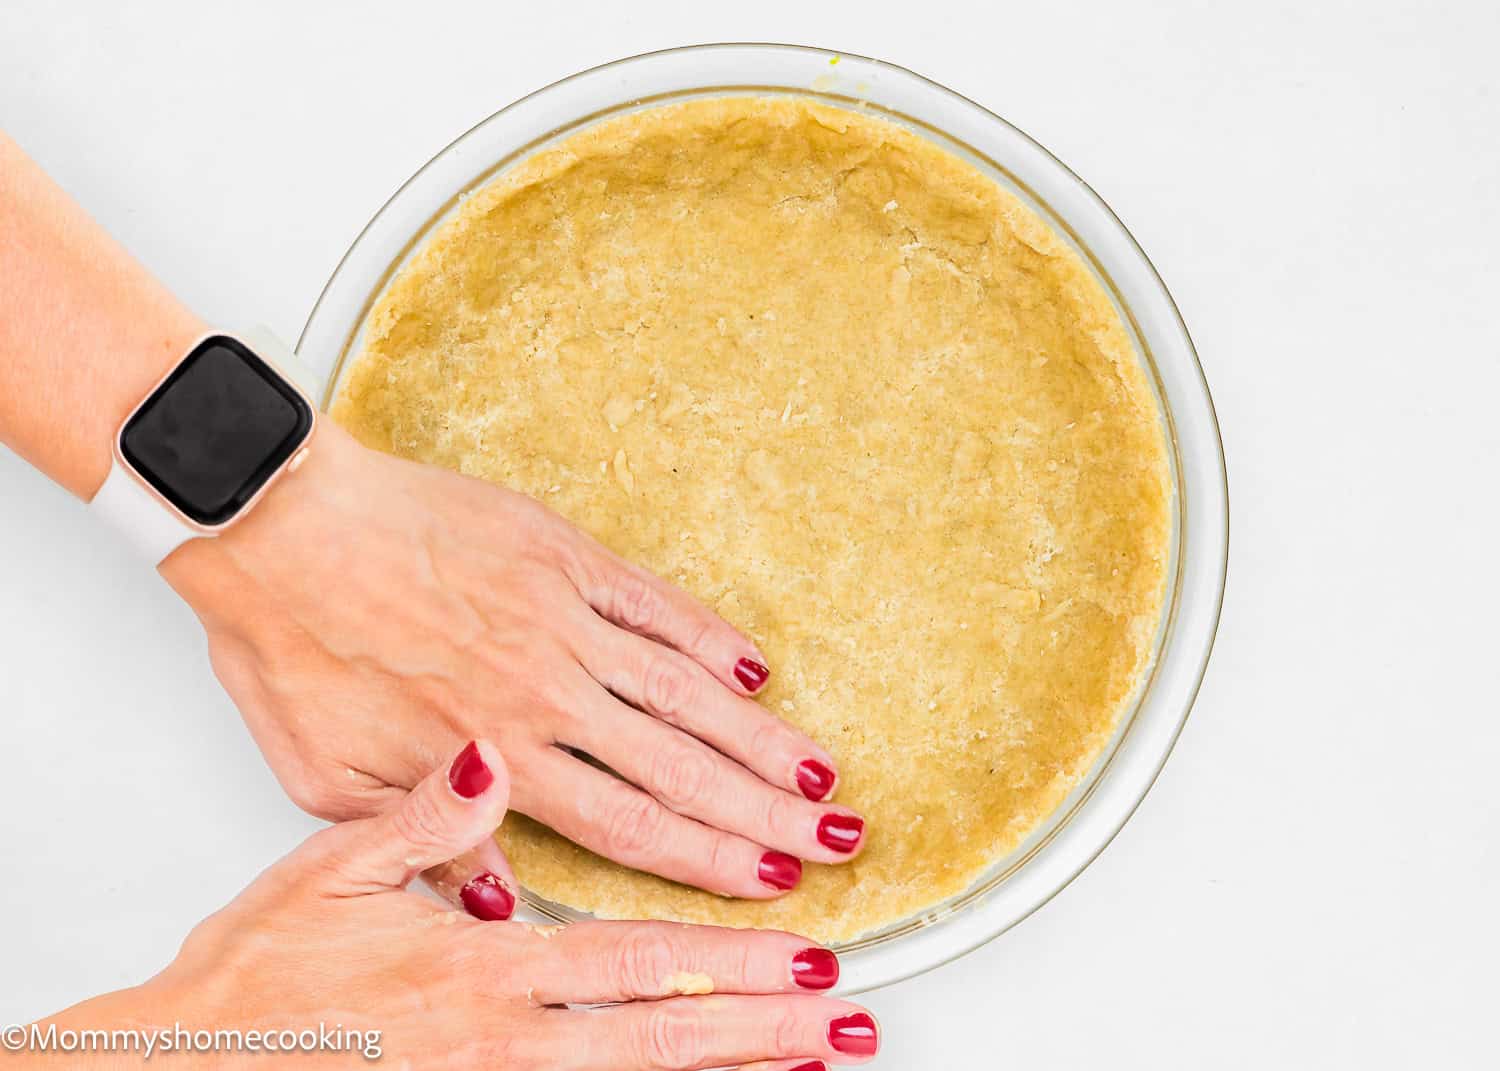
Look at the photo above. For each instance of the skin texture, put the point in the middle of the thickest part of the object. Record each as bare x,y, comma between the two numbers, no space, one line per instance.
370,614
328,935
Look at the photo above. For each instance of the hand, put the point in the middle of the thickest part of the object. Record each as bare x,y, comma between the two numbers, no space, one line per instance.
328,936
371,613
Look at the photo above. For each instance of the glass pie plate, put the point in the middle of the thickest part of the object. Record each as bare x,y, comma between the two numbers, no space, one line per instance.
1079,829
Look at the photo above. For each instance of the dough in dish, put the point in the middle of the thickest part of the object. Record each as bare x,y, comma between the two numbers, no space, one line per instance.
854,395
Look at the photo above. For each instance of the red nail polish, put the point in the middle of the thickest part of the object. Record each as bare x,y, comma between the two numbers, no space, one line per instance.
751,674
487,899
815,968
854,1035
779,870
814,779
469,775
811,1065
840,832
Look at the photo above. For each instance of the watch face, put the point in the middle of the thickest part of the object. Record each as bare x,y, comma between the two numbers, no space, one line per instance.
216,430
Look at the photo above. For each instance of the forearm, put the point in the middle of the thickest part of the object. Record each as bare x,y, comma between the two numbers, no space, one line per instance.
85,331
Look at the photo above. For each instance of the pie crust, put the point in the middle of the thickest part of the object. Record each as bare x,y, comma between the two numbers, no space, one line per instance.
855,396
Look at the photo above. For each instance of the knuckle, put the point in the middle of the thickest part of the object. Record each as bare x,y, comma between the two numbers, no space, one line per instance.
636,602
419,821
768,736
667,687
787,1033
681,775
643,961
459,957
721,864
671,1037
635,826
702,633
745,958
779,812
570,552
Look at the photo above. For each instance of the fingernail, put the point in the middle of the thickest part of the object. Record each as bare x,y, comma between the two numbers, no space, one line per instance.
779,870
486,898
469,776
751,674
815,968
814,779
811,1065
854,1035
840,832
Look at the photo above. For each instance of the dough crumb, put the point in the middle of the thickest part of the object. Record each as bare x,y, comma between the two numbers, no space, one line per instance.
686,984
618,411
678,401
623,476
761,471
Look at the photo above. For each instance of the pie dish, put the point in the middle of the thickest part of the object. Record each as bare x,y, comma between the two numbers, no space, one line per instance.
942,371
847,390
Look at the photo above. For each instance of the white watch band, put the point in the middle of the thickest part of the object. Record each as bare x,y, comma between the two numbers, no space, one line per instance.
152,529
270,348
147,523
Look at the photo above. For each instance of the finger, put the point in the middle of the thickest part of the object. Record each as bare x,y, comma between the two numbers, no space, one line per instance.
602,962
644,603
680,692
480,881
688,1033
784,1065
697,782
450,811
620,822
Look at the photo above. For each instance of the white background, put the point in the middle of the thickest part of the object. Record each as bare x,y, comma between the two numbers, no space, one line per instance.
1312,883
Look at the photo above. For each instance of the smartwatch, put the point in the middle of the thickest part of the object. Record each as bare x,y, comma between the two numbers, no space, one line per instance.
209,439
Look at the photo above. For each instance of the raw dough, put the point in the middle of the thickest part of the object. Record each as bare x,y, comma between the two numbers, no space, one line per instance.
855,396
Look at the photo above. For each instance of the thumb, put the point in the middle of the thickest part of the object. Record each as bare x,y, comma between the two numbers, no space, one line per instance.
452,810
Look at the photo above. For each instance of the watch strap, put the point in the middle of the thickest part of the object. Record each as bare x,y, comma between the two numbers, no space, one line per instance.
269,348
147,524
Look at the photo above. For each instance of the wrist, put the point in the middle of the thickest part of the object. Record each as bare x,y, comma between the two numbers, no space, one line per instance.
112,371
86,333
146,353
146,1009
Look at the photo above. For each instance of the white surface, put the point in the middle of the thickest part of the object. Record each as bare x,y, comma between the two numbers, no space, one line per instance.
1311,883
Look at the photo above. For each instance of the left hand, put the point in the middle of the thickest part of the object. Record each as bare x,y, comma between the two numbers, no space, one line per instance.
372,613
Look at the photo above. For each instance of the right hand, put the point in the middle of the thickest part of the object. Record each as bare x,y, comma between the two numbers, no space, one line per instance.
329,935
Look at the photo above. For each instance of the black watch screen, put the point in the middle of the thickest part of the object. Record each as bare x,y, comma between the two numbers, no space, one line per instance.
216,430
